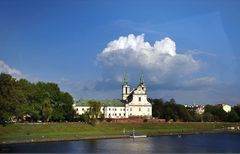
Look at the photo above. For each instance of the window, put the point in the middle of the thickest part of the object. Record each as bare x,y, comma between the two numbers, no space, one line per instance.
120,109
130,109
115,109
139,99
115,114
109,109
77,109
139,109
119,114
125,90
148,109
124,114
130,114
123,109
82,109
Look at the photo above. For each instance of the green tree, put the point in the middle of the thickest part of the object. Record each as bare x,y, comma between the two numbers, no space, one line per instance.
42,101
217,112
46,108
157,108
237,110
67,106
8,97
183,113
169,113
232,116
208,117
91,116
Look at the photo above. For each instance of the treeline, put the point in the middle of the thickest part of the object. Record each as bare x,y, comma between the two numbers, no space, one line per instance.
216,113
21,100
170,110
178,112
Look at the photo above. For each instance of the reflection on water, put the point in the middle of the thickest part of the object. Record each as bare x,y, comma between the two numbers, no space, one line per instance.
187,143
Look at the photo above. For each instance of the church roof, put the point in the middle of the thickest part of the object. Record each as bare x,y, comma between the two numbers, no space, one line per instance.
114,102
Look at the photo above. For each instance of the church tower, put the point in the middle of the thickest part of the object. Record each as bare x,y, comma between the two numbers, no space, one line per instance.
125,88
142,83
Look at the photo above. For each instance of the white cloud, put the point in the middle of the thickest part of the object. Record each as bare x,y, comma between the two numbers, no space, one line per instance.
132,55
4,68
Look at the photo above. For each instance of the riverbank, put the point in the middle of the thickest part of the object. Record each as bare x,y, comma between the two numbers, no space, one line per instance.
45,132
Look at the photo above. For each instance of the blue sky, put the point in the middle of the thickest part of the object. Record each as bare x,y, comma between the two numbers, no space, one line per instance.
63,42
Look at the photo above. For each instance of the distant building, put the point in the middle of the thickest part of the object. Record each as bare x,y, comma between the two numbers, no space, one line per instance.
200,110
226,108
134,103
192,106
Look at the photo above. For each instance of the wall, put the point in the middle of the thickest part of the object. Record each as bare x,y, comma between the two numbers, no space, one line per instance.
135,120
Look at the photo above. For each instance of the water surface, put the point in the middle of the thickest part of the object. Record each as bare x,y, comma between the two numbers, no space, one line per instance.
202,143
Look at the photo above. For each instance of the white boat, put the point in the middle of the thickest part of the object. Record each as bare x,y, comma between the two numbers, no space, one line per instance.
137,135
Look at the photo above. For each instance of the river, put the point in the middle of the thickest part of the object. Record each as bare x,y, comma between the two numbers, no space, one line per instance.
202,143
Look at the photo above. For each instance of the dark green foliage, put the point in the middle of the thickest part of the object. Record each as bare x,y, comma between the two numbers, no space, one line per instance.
8,97
170,110
214,113
232,116
37,101
183,113
177,112
157,107
237,111
208,117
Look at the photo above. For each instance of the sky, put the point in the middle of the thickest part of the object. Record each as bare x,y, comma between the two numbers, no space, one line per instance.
188,50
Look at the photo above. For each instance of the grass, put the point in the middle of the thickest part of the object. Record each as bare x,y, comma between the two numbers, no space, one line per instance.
28,132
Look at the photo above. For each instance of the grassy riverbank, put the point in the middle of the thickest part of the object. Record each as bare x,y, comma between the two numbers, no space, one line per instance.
17,133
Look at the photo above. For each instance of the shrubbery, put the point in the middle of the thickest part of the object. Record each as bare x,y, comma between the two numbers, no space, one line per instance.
22,100
170,110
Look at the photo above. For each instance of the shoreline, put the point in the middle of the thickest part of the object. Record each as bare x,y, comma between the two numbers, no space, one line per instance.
118,137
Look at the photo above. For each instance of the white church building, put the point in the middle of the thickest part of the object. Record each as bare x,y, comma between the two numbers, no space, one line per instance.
134,103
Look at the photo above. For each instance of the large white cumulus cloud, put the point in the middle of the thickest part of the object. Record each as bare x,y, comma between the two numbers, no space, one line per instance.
133,55
4,68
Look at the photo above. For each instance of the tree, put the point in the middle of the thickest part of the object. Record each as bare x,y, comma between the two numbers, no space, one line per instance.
46,108
93,112
157,107
8,99
237,110
208,117
57,105
217,112
232,116
183,113
42,101
170,110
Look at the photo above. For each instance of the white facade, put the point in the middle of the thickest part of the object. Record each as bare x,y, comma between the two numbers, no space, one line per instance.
200,110
134,103
115,112
226,108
